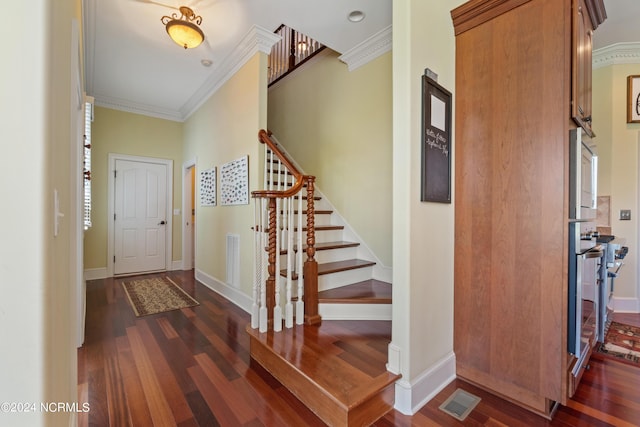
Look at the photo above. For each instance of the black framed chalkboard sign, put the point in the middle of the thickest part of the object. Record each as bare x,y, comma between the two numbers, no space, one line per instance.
436,142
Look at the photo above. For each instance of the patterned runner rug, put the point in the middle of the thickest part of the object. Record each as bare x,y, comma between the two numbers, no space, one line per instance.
622,342
156,295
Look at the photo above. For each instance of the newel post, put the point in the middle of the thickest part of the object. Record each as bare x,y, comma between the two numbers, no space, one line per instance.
311,314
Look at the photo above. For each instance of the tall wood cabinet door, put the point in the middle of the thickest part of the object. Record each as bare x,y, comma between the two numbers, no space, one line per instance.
581,65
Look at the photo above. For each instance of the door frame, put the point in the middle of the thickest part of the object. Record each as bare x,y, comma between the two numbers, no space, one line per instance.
187,244
113,157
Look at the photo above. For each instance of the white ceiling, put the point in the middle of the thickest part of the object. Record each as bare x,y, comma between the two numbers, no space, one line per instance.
131,64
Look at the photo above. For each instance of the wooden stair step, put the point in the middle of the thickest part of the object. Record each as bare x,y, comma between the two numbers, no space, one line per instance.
325,246
309,363
316,211
323,228
304,197
336,267
367,292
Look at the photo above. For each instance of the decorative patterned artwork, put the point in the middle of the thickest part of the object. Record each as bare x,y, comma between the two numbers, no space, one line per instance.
208,187
234,182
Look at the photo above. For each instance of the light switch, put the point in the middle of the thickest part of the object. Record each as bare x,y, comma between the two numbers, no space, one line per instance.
56,213
176,211
625,214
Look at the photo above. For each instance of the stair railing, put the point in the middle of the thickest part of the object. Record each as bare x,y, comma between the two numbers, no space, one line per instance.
278,229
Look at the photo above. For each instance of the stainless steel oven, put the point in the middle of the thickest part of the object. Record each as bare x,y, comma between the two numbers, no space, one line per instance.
585,255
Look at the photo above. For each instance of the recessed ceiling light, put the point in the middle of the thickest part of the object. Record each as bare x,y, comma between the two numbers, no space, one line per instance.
206,62
356,16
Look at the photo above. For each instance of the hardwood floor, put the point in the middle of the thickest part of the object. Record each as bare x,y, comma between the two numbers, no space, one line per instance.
191,367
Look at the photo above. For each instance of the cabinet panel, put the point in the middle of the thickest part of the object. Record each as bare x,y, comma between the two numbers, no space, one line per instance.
581,65
514,92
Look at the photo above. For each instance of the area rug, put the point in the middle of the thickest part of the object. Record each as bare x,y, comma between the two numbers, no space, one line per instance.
156,295
622,342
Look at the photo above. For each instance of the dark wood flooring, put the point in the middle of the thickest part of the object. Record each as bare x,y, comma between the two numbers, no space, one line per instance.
191,367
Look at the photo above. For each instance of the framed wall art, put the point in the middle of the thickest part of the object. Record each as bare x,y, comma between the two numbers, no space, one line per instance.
234,182
208,187
633,99
436,142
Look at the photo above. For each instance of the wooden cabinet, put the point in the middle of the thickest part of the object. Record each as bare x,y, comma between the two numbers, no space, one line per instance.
587,15
513,106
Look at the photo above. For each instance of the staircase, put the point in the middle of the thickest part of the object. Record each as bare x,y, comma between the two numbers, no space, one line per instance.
347,289
334,282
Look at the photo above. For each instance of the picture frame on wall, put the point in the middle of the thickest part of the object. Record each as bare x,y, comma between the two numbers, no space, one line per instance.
234,182
633,99
208,187
436,142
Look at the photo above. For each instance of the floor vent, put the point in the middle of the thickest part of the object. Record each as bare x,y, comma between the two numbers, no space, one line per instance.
460,404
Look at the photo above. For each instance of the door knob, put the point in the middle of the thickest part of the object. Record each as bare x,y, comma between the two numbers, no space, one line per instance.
162,223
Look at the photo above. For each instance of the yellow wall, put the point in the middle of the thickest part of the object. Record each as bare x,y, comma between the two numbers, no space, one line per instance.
131,134
618,162
226,128
336,125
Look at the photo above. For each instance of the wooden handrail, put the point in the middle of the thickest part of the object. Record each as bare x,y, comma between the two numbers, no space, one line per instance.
310,267
263,136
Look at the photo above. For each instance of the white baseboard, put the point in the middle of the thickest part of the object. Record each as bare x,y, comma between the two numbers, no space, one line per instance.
411,396
95,273
101,273
355,311
232,294
626,305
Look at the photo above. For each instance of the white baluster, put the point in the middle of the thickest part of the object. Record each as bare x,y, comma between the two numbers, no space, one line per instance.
277,309
263,264
288,306
255,308
300,303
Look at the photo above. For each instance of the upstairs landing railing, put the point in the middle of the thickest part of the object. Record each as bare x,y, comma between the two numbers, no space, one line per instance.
278,241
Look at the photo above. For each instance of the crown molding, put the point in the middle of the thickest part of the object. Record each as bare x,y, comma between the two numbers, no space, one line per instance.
618,53
375,46
132,107
256,40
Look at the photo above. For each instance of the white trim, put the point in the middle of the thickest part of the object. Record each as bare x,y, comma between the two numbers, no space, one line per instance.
617,53
625,305
137,108
256,40
411,396
76,216
186,206
96,273
176,265
111,207
232,294
355,311
375,46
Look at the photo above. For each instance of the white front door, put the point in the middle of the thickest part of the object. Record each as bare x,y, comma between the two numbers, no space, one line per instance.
140,209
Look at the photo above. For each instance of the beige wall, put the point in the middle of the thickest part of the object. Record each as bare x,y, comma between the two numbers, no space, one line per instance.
37,295
422,332
618,160
336,125
226,128
137,135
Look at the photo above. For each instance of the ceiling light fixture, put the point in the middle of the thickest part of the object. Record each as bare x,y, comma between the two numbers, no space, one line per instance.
184,30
